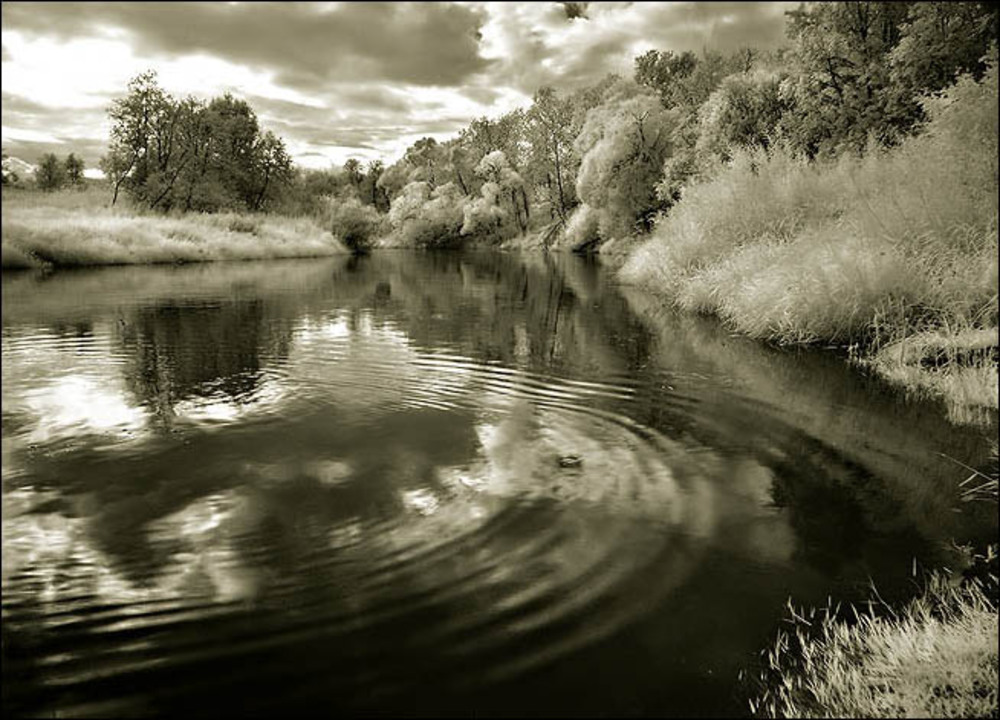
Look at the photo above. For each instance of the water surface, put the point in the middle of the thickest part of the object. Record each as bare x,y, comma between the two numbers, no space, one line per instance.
432,483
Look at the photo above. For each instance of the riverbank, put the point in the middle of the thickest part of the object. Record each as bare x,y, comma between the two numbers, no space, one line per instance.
936,656
891,257
70,229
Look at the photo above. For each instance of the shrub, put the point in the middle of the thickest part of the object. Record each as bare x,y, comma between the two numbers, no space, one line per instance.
355,224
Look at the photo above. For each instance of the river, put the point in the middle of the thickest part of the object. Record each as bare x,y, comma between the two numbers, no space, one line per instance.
453,483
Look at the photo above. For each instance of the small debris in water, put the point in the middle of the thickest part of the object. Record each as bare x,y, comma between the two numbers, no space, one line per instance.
570,461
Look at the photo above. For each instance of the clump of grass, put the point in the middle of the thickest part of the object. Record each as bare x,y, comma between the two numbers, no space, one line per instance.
871,252
35,236
935,657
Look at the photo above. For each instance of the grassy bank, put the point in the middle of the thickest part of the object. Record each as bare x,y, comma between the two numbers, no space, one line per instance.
934,657
893,256
71,228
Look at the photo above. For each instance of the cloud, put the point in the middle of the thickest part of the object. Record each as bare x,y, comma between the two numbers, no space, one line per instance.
537,44
337,79
304,44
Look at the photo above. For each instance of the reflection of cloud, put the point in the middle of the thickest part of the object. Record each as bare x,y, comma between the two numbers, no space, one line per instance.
75,404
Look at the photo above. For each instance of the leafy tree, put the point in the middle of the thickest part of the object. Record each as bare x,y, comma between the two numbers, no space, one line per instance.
428,217
168,153
74,170
623,146
840,90
49,175
549,126
744,112
941,40
664,72
357,225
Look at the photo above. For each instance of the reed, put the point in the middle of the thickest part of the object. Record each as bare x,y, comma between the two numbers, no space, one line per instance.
892,254
41,230
934,657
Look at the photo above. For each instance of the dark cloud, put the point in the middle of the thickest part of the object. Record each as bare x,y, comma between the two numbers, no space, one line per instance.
575,10
304,43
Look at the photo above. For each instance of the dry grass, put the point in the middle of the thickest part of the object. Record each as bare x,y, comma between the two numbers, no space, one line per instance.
69,229
870,253
936,657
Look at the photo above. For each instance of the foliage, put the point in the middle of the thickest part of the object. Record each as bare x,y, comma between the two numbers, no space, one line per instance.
49,174
942,40
426,217
623,145
864,251
355,224
744,112
191,155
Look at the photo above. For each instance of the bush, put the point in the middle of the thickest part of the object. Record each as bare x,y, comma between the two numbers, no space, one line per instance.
355,224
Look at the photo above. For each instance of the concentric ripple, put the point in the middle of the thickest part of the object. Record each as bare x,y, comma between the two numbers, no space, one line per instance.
261,496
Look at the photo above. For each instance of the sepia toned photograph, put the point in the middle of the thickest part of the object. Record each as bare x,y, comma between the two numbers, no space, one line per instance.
500,359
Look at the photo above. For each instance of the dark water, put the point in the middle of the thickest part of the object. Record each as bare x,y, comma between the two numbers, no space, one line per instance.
425,484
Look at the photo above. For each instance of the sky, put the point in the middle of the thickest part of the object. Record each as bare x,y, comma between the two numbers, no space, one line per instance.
338,79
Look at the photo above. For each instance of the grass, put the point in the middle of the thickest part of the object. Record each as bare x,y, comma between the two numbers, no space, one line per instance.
78,228
895,250
934,657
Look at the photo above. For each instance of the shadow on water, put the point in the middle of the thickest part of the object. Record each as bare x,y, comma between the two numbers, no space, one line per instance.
431,483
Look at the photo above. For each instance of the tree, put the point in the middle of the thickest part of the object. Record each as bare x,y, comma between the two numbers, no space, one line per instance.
663,71
74,170
623,146
744,112
168,153
138,119
553,162
49,174
941,40
840,91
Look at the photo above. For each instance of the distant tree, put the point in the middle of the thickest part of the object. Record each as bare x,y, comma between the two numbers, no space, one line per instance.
371,193
74,170
49,174
9,176
354,173
744,112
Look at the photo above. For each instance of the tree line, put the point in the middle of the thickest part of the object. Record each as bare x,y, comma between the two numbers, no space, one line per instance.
50,173
591,165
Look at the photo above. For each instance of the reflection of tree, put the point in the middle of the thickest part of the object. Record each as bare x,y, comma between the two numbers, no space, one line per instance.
181,351
544,314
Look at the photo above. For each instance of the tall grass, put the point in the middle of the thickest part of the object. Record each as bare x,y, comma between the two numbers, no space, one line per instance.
67,229
899,247
934,657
